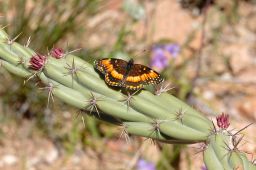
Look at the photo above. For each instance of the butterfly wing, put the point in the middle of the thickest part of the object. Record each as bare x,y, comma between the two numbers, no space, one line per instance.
140,75
113,69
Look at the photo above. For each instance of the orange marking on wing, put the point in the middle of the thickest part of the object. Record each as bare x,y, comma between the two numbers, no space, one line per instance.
144,77
133,87
116,75
133,79
153,75
109,67
129,78
137,79
105,62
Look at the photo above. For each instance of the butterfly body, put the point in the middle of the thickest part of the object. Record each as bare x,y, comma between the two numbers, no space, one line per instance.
121,73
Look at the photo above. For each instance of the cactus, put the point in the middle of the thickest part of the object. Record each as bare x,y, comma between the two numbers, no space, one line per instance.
159,117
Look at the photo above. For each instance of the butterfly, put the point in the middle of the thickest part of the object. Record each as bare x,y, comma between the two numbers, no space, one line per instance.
128,75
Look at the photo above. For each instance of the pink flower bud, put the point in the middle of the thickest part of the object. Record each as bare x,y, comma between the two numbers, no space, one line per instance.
223,121
57,53
37,62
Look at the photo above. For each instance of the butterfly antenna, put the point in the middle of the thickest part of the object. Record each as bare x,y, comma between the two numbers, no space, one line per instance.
141,53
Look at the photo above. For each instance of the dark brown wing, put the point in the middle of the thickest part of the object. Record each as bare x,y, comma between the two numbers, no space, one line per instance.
113,69
140,75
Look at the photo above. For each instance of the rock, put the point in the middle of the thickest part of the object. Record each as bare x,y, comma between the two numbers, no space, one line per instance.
248,76
208,94
171,21
247,108
240,57
8,160
52,155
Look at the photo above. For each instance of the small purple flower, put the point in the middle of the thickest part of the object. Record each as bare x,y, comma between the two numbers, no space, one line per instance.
173,49
161,55
203,168
159,60
145,165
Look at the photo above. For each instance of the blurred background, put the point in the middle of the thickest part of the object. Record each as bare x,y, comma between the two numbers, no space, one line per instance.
206,49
